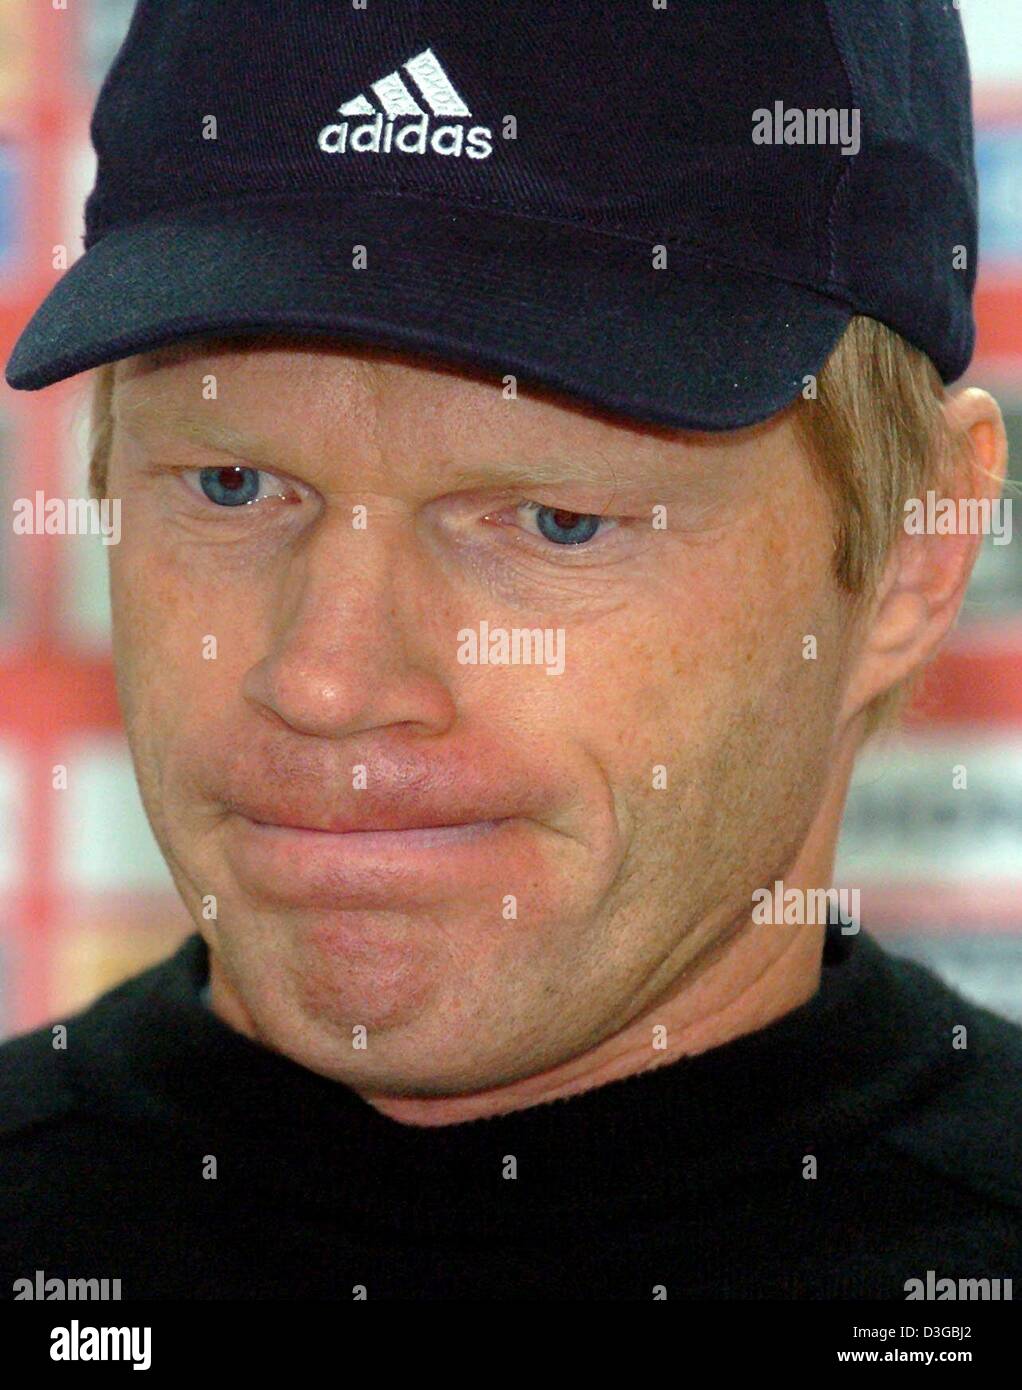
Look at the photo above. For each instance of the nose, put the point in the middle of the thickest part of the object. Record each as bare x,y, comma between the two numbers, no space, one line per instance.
356,635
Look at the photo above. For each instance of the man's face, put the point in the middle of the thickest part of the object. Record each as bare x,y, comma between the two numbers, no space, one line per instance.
301,661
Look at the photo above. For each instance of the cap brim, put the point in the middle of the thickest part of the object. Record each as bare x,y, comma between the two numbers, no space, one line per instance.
697,345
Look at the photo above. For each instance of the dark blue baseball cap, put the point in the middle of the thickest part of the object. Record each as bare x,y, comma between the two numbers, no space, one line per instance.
667,209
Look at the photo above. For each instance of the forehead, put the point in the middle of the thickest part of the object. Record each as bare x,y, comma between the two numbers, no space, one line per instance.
292,361
322,385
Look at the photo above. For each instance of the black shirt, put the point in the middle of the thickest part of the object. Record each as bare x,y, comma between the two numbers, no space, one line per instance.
691,1178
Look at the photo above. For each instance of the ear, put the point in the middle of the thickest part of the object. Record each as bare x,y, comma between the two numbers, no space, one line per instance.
927,574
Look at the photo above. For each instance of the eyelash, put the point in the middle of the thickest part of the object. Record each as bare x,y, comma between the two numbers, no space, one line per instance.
283,494
604,523
607,522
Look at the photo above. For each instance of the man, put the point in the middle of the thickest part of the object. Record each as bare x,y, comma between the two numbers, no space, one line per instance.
512,416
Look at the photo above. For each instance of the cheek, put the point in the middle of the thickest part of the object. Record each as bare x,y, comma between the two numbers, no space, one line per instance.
176,651
153,625
753,609
715,656
695,649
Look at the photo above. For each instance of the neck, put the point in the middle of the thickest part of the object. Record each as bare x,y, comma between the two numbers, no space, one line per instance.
764,972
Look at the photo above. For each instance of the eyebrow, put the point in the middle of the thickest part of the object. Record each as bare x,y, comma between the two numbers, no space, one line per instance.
208,433
585,464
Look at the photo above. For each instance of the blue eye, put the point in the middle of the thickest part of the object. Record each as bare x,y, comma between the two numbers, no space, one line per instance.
231,486
562,527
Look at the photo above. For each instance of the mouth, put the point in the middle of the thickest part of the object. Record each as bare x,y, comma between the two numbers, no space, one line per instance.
364,867
406,837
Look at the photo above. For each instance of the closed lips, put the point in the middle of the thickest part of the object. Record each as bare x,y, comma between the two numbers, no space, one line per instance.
421,835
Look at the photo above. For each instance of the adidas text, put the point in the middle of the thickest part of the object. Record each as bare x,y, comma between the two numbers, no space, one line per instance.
365,138
427,82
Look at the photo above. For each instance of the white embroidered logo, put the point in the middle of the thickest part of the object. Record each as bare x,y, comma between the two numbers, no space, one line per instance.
377,135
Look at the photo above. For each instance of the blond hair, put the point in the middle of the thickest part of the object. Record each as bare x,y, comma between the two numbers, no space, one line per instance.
875,433
876,436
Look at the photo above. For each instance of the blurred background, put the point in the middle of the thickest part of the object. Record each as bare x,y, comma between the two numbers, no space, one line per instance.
85,898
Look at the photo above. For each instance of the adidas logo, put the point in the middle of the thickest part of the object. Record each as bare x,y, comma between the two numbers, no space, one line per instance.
401,108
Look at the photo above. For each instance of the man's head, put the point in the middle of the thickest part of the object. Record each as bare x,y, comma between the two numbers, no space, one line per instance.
630,625
304,659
